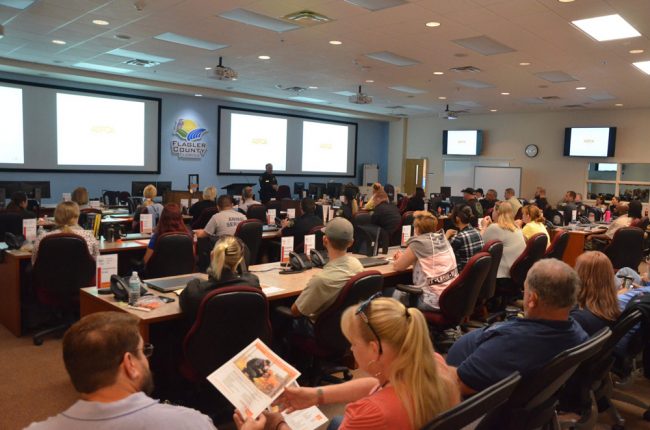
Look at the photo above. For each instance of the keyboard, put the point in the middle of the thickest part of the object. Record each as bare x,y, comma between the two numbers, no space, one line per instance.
372,261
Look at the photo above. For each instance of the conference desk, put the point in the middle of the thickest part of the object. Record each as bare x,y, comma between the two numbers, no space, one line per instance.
575,246
275,285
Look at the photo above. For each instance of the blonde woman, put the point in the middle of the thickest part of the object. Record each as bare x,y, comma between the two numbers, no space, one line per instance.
433,260
597,299
150,192
80,197
226,269
209,201
408,384
505,230
533,222
370,205
66,217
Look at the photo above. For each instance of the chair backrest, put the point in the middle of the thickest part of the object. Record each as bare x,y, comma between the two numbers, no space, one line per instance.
133,203
83,216
558,245
534,251
123,197
318,233
63,266
228,320
626,248
407,218
495,249
458,300
520,213
390,190
10,222
250,232
532,404
476,406
284,192
111,197
362,218
257,212
173,254
202,220
328,326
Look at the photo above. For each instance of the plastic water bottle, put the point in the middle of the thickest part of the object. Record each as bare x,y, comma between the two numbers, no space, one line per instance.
134,288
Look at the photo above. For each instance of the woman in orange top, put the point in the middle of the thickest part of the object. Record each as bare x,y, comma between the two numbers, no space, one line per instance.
406,389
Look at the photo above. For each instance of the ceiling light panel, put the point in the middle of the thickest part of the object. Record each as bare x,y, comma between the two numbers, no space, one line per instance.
600,97
532,101
406,89
139,55
17,4
394,59
374,5
556,76
189,41
345,93
308,99
100,68
644,66
258,20
473,83
483,45
604,28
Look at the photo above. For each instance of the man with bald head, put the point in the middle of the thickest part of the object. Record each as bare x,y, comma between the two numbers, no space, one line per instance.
484,357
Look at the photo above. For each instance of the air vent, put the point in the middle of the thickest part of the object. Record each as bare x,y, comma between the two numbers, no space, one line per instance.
295,89
307,17
550,98
471,69
573,106
395,107
141,63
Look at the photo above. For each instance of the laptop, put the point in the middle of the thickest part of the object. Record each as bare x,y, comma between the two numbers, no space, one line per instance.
373,261
271,227
168,285
136,236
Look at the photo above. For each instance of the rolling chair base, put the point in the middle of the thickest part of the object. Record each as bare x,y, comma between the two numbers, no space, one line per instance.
38,338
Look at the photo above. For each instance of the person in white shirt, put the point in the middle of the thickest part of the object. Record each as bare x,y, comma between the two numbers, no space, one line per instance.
225,221
107,362
248,199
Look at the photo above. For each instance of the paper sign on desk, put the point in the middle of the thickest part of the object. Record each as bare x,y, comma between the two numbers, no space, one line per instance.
146,223
406,234
270,216
304,193
310,243
332,214
106,266
326,213
272,290
185,203
29,229
287,247
67,197
574,215
192,201
95,204
291,213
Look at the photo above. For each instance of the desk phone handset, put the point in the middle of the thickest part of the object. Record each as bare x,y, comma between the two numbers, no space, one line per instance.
318,258
120,288
14,241
297,263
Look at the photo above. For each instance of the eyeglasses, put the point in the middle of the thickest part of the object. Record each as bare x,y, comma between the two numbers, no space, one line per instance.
361,311
147,350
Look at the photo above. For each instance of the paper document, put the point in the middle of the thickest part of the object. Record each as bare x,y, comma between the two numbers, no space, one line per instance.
309,244
253,379
287,247
29,229
106,266
326,213
291,213
146,223
305,419
270,216
271,290
406,234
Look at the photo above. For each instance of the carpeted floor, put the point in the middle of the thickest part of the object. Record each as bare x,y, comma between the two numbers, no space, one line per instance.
34,385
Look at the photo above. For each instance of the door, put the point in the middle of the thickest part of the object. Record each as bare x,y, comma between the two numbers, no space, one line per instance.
415,172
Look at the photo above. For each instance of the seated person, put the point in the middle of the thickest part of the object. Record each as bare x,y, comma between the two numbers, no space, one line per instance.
540,199
433,260
80,197
18,204
209,201
392,343
634,212
512,199
349,205
226,270
416,201
600,203
475,206
639,286
107,362
488,355
385,214
505,230
153,208
248,199
489,201
533,222
597,302
225,222
171,221
66,218
324,287
613,204
466,241
301,226
601,237
370,204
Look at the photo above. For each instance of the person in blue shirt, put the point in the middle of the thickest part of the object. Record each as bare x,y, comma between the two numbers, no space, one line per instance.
638,286
484,357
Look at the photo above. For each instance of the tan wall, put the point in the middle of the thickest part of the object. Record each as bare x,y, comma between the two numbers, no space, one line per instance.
506,136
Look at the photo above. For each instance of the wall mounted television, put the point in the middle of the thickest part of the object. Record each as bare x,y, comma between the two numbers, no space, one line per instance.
462,142
589,141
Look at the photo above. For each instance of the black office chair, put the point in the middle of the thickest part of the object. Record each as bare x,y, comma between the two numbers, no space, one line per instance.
257,212
63,266
10,222
110,198
495,249
250,232
626,248
533,403
558,245
173,254
133,203
203,218
476,406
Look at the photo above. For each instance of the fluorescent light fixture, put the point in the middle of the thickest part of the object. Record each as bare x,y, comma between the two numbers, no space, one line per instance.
345,93
307,99
619,105
644,66
483,45
101,68
312,87
335,42
58,42
524,63
636,51
581,88
374,5
555,76
390,58
198,95
369,81
442,98
139,55
100,22
432,24
494,110
609,27
505,93
258,20
17,4
207,68
473,83
407,89
189,41
264,57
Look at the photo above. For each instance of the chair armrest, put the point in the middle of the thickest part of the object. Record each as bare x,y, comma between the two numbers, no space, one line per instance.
410,289
284,312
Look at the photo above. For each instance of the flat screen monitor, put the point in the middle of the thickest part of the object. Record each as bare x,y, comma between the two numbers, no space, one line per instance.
445,192
334,189
462,142
606,167
589,141
137,188
298,188
316,189
163,187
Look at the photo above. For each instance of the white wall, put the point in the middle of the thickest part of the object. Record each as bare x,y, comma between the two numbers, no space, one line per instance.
506,136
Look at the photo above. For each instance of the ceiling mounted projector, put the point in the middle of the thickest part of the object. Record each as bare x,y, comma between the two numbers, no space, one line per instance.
224,73
361,98
451,114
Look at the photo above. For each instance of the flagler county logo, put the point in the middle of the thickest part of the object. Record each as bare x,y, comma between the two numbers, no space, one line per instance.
190,143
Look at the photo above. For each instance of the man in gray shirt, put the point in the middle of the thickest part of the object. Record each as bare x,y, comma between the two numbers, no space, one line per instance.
106,359
225,221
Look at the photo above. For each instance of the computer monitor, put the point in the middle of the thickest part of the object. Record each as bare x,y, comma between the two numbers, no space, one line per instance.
334,189
137,188
298,188
3,197
316,189
455,200
445,192
163,187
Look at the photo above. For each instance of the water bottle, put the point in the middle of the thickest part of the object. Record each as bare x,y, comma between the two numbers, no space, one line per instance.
40,231
134,288
608,215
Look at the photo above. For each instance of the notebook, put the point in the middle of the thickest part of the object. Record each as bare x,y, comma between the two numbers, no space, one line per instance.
168,285
372,261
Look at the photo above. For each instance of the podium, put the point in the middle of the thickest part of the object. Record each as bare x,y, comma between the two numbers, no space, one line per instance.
236,189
